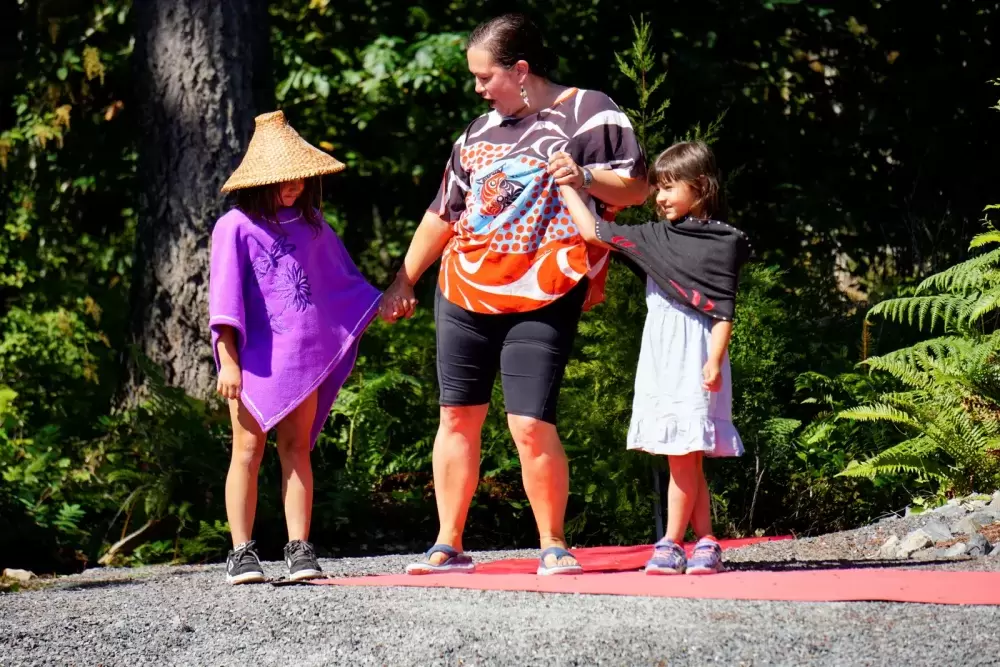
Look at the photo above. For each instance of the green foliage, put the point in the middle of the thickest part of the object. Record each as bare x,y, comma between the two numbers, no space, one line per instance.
62,346
157,463
211,540
648,116
949,405
384,85
66,185
961,298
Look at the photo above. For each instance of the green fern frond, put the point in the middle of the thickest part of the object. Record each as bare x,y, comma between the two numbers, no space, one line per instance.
909,456
914,465
925,311
779,427
907,401
991,277
878,412
963,276
899,369
986,238
987,304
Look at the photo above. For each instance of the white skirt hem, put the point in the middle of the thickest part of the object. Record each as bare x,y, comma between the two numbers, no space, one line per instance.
671,436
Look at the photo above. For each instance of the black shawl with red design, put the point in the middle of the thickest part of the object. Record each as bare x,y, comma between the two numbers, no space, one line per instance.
695,262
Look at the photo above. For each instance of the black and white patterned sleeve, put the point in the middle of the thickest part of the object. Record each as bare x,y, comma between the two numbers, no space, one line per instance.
604,138
449,203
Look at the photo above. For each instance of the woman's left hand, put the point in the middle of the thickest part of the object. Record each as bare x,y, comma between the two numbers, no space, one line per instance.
565,170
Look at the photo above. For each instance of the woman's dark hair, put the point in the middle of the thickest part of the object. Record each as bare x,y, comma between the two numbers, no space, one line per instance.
262,202
512,37
694,163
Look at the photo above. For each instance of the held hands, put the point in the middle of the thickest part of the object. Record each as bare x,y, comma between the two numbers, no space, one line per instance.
565,170
711,376
398,301
230,382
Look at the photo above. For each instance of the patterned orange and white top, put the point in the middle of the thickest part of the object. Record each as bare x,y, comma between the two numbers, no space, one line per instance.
515,246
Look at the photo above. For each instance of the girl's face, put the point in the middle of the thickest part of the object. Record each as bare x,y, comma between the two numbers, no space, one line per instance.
499,86
676,199
290,191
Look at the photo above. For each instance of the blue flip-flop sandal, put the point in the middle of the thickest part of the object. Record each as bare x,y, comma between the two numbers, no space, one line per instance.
455,562
558,552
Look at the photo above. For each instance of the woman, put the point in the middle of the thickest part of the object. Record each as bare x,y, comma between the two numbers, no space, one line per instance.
515,273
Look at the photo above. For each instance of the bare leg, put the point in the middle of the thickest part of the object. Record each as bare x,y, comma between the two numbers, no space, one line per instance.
545,472
701,516
296,469
682,495
456,470
241,482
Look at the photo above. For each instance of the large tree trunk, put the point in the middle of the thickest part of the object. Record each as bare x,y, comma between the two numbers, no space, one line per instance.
203,74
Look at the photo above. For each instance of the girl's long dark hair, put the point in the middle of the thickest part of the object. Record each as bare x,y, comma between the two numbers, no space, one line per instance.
693,162
262,202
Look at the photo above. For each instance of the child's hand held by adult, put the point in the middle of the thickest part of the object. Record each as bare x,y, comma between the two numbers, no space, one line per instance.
398,301
565,170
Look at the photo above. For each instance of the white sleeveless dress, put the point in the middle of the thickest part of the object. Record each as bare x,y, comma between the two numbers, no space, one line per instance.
671,414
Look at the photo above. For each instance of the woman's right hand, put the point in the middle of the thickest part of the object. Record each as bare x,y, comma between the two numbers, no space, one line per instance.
230,382
398,301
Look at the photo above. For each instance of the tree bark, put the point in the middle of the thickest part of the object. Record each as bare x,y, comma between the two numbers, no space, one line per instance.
202,76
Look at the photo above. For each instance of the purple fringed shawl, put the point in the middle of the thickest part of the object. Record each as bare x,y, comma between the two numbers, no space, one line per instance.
299,306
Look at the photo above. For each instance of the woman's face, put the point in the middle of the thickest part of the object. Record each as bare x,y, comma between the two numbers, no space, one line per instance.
290,191
499,86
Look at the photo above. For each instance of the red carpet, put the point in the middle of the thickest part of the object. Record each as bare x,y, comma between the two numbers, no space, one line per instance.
814,586
612,571
606,559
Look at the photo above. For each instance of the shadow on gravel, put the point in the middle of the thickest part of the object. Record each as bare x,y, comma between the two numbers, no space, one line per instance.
94,584
87,584
837,564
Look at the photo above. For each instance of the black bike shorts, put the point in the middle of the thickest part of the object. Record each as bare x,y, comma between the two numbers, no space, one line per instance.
530,348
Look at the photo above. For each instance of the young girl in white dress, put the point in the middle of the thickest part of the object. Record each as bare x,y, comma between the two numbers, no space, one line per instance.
683,386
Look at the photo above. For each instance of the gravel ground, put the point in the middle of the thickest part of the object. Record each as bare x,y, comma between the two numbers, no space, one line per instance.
852,548
188,616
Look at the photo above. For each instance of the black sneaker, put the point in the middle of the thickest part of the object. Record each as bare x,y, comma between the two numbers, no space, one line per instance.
243,565
301,561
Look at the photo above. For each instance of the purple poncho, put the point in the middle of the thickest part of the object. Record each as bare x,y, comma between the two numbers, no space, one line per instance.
298,305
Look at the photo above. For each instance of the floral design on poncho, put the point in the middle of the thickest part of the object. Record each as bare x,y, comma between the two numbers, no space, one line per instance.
291,285
293,288
268,258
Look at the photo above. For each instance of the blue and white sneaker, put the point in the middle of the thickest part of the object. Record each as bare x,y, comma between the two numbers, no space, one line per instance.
707,557
668,558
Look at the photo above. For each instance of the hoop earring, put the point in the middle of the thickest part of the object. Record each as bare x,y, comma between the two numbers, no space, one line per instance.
524,96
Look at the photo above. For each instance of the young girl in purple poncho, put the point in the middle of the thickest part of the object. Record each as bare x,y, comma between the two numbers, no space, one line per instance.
287,307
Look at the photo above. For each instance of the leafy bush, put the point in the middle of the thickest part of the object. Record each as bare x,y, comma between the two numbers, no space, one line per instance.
948,403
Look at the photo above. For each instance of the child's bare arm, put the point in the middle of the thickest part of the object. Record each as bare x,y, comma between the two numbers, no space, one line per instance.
230,382
721,333
712,372
582,216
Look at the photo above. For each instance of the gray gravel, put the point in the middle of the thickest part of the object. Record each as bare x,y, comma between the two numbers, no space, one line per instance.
188,616
854,548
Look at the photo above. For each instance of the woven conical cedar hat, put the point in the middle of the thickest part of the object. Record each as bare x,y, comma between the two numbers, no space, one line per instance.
277,153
